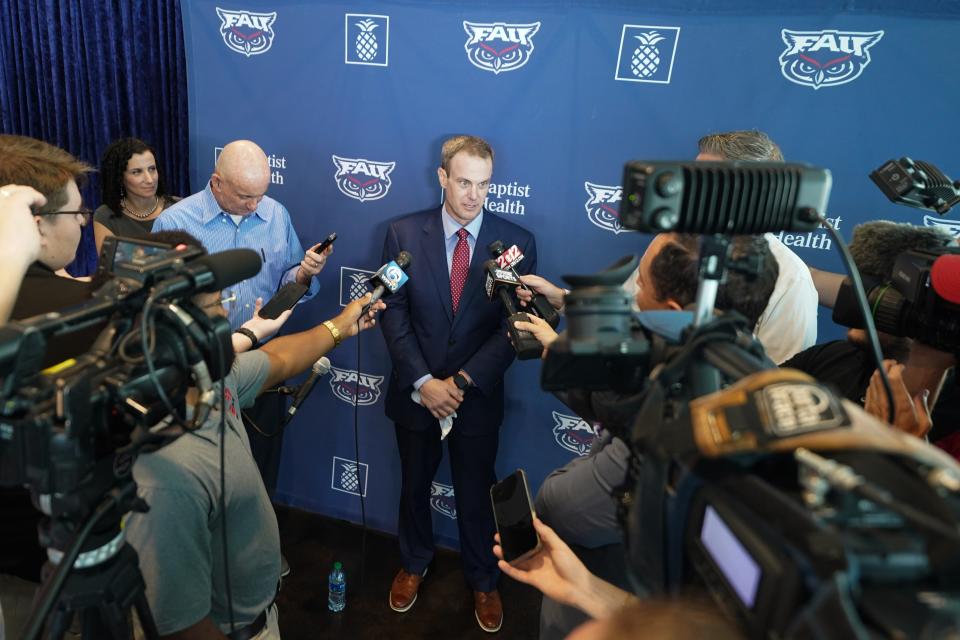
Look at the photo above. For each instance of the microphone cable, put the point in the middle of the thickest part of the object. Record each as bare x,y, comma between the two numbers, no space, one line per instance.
356,451
223,486
868,323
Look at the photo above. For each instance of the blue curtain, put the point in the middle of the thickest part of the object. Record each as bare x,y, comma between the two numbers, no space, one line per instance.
80,74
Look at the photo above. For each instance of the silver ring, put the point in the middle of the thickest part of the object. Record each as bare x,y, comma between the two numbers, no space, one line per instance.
5,193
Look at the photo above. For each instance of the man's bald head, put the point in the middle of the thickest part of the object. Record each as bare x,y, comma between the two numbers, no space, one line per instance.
241,177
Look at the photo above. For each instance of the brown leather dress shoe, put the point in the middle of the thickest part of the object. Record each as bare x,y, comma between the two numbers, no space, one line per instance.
403,591
488,609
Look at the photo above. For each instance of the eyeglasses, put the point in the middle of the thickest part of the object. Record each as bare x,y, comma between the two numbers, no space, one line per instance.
228,298
87,214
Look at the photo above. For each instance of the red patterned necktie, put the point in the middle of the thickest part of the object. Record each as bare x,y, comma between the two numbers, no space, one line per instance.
459,268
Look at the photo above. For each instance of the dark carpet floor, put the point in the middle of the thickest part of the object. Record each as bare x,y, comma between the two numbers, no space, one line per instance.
444,609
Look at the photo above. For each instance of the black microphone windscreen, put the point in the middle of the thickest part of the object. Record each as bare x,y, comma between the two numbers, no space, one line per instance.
496,247
404,259
229,267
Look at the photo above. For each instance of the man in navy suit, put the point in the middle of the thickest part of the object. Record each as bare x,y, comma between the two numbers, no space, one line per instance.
449,343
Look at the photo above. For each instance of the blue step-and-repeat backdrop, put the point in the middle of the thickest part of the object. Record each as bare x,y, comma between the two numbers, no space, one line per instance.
351,102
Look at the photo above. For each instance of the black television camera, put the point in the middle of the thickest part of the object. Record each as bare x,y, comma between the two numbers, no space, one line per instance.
71,432
921,301
798,513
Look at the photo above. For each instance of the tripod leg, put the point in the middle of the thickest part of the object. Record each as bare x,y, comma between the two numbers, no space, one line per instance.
145,616
113,620
59,624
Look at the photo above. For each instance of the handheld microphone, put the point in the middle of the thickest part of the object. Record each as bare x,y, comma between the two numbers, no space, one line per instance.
509,259
320,368
501,282
389,278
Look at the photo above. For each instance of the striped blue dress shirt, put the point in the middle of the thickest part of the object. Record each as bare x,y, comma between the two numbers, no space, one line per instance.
268,231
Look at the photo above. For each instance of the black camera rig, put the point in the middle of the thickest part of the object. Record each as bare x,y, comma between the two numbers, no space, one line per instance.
800,514
71,432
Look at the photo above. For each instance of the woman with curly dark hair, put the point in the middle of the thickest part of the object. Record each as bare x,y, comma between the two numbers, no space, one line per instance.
132,191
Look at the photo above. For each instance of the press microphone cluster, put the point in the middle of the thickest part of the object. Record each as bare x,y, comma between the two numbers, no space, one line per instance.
503,283
509,259
389,278
320,368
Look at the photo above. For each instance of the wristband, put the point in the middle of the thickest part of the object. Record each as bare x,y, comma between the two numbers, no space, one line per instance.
249,334
332,328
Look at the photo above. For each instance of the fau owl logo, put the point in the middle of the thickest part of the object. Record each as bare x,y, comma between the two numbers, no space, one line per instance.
498,46
362,390
826,58
603,206
442,500
363,179
246,32
573,434
951,226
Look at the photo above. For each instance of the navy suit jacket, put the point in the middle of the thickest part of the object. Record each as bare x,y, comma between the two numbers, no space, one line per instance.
424,336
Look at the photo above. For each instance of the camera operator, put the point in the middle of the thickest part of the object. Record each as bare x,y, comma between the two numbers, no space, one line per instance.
20,240
37,243
847,364
576,499
55,174
788,323
179,540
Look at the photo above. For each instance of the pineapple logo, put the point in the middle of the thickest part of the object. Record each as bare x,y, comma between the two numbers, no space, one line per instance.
647,53
646,57
358,286
354,283
349,477
366,39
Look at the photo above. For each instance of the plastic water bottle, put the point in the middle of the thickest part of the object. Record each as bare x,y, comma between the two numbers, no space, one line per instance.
337,599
